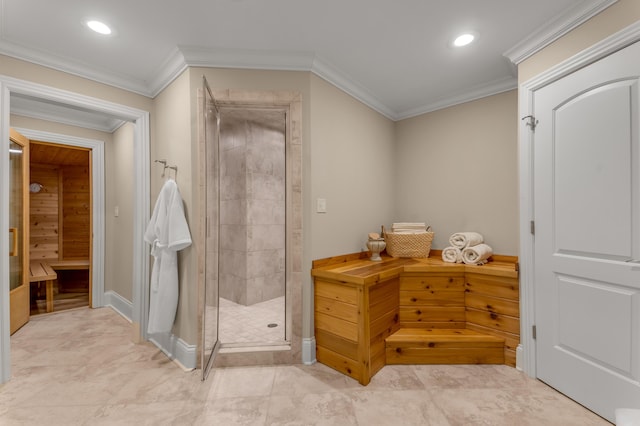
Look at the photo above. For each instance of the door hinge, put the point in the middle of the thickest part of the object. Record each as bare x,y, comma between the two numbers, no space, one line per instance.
533,332
532,227
532,122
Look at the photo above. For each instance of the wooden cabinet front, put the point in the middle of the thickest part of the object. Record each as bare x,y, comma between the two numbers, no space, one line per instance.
351,323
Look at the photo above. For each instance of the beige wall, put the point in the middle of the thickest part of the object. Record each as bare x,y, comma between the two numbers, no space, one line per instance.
352,164
119,192
172,127
457,170
613,19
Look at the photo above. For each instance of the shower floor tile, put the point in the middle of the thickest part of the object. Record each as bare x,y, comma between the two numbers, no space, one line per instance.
250,324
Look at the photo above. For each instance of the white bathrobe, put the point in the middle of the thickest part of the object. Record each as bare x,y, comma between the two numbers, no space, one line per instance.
167,233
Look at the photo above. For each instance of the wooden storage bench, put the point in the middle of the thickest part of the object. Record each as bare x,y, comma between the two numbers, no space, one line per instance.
414,311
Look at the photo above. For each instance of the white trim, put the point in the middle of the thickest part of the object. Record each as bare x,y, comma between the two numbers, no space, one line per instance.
5,349
176,349
97,167
141,203
119,304
611,44
471,94
556,28
309,350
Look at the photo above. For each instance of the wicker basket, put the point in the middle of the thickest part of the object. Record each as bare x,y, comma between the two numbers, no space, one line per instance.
409,245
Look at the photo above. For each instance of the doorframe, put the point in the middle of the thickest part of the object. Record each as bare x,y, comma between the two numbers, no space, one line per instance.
98,201
526,352
141,120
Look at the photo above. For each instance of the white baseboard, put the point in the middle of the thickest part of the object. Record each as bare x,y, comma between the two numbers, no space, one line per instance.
309,350
175,348
519,355
118,304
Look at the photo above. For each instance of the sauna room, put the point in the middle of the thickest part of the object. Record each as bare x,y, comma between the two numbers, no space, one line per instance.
59,227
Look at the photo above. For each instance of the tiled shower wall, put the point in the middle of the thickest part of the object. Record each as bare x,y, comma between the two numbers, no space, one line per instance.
252,205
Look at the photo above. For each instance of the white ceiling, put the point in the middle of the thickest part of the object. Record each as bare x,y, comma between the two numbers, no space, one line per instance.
394,56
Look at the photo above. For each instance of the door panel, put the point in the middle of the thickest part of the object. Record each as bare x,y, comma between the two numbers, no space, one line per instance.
586,186
592,170
19,231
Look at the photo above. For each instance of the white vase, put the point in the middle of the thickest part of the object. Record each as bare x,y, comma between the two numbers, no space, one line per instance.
375,247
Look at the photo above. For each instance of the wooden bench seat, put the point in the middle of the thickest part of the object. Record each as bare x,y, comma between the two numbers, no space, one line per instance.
41,271
443,346
69,265
44,270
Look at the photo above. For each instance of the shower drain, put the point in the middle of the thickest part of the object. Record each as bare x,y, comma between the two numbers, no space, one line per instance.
272,325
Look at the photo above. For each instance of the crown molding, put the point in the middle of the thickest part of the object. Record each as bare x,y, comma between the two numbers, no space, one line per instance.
471,94
556,28
333,76
71,66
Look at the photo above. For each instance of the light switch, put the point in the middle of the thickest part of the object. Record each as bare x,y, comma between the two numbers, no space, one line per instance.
116,211
321,205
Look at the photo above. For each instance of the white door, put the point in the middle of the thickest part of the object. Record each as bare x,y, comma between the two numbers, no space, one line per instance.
587,233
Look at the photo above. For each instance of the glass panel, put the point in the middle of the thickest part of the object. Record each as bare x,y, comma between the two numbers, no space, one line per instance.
252,226
16,211
211,119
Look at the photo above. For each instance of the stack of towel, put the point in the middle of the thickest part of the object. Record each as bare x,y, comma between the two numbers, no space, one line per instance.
409,228
467,247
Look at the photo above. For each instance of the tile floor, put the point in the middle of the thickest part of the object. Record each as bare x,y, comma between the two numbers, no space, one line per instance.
248,324
79,368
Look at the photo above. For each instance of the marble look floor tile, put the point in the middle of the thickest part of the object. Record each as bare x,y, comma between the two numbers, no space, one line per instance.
396,377
406,407
81,368
241,382
511,407
51,416
470,376
333,408
235,411
317,378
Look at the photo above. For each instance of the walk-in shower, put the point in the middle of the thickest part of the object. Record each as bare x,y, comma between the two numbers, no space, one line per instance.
252,227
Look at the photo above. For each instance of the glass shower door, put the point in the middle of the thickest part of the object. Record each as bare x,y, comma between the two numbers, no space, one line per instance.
18,231
210,118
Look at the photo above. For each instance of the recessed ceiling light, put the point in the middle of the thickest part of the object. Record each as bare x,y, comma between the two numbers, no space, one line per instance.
99,27
463,39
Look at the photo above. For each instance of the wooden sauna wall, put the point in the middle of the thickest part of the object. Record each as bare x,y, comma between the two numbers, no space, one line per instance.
60,212
76,212
44,226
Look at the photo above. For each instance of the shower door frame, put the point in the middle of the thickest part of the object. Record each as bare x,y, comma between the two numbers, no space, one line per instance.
290,351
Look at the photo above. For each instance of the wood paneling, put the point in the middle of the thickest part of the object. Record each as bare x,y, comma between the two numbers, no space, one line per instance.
76,212
493,307
44,224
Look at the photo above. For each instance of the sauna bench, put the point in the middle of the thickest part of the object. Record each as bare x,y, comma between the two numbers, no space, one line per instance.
414,311
44,270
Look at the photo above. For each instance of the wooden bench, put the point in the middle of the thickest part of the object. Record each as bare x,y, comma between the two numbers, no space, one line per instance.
44,270
414,311
39,271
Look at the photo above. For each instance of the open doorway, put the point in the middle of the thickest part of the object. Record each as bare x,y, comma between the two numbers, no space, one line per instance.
138,306
60,219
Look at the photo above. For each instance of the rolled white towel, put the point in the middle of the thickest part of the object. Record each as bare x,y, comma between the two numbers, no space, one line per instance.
465,239
452,255
476,255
